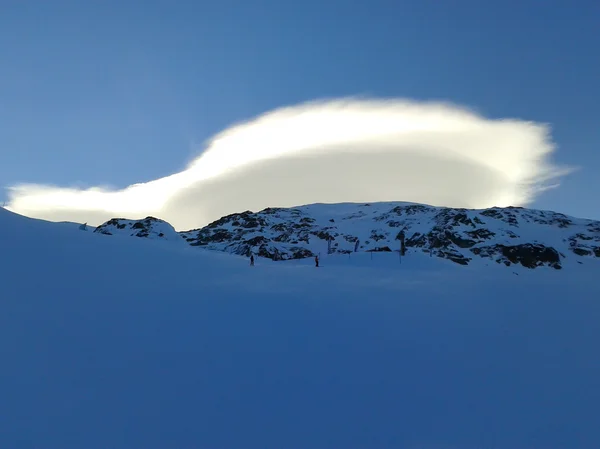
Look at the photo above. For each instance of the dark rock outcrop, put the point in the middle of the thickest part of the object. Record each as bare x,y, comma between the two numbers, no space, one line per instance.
149,227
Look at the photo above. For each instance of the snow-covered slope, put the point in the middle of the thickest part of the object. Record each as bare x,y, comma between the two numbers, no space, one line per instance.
149,227
135,343
505,235
129,343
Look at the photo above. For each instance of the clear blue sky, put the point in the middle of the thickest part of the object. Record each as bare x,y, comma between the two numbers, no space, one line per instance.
115,92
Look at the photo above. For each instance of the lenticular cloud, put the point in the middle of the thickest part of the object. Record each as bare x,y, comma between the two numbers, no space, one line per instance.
348,150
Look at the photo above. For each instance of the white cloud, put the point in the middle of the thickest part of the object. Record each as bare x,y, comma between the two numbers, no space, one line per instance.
329,151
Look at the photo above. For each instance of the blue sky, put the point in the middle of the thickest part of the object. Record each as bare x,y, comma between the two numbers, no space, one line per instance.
114,93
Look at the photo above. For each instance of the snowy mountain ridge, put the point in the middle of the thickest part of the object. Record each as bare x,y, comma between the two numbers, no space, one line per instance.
508,236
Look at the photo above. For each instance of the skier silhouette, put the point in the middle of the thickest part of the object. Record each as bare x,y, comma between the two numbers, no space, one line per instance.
251,260
317,261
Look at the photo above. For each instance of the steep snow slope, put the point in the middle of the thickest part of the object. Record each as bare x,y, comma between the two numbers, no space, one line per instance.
122,343
508,236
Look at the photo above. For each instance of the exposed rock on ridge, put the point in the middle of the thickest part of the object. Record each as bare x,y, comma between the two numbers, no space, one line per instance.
149,227
508,236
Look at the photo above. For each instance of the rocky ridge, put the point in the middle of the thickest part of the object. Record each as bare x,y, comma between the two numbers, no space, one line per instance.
149,227
508,236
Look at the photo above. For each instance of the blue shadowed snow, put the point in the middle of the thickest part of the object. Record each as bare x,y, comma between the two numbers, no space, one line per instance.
121,342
